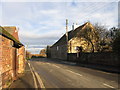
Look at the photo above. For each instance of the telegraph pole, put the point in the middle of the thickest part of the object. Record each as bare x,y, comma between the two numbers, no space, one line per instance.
26,51
67,36
67,30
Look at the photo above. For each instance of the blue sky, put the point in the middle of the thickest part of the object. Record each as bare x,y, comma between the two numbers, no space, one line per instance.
43,23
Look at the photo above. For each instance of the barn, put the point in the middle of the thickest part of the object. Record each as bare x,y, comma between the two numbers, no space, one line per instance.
83,38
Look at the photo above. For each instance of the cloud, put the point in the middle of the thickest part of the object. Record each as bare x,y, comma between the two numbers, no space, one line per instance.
43,23
59,0
34,50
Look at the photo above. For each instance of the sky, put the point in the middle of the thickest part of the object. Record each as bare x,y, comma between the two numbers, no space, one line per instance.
42,23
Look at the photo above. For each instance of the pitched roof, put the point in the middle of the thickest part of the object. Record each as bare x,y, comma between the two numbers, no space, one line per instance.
12,30
71,34
4,33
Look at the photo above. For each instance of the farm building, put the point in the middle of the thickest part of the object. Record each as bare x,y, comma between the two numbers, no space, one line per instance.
84,37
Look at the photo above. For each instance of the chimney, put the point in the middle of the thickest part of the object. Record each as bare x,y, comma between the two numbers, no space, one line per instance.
73,27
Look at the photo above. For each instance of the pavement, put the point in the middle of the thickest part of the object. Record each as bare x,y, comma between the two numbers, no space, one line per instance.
24,80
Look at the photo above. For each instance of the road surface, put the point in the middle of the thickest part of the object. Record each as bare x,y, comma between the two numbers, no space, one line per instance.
61,74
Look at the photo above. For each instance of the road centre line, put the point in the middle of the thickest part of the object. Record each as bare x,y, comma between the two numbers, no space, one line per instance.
74,72
48,63
108,85
55,65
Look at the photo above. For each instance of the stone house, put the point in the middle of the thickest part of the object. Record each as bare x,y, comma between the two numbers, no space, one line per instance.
43,53
12,56
84,37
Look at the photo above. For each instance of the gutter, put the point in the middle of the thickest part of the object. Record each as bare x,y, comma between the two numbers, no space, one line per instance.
4,33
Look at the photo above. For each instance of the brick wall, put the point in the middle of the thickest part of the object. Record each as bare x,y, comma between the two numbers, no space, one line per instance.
12,61
6,61
0,63
21,59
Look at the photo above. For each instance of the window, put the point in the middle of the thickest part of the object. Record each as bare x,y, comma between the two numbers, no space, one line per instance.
57,48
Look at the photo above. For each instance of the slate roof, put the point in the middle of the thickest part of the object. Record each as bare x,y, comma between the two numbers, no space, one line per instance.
71,34
6,34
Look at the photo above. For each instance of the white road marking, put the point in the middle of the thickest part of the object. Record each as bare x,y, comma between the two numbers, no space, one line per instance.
48,63
39,80
108,85
74,72
55,65
35,82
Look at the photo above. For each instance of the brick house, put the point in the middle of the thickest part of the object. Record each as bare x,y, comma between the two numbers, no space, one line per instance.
12,55
84,37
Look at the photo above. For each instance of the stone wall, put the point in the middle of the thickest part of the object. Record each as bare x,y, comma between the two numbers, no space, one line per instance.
102,58
81,42
59,52
48,52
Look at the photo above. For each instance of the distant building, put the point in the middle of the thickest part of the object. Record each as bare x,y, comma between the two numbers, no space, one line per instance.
12,55
83,37
43,53
48,51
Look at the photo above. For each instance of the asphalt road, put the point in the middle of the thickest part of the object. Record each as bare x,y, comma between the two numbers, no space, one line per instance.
60,74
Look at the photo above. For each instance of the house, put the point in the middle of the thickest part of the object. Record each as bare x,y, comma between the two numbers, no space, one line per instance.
84,37
12,55
43,53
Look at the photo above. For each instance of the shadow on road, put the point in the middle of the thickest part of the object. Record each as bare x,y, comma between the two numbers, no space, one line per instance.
109,69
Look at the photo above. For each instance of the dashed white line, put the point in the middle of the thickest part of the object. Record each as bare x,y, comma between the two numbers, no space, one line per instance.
108,85
74,72
55,65
47,63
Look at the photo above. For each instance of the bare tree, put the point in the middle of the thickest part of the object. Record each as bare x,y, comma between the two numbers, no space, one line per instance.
89,34
115,35
104,37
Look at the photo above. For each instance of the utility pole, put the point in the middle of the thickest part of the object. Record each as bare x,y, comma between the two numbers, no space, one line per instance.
67,30
26,51
67,36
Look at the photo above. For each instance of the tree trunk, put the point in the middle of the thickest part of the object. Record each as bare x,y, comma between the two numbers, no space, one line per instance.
92,46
